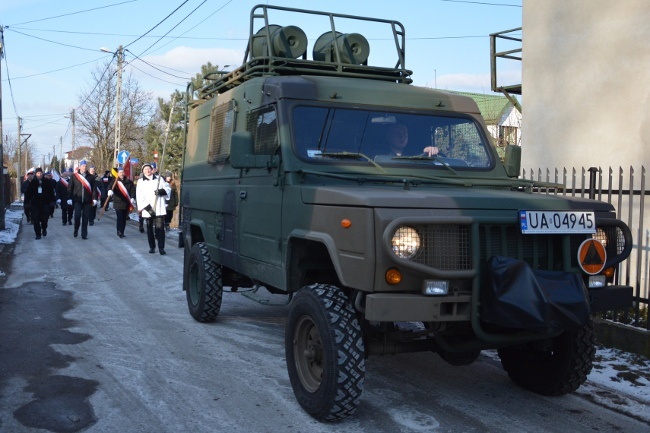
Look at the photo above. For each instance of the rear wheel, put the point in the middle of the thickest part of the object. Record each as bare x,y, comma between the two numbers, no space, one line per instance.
325,353
555,366
203,284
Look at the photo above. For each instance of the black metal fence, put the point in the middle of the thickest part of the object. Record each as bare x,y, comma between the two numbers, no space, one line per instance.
626,191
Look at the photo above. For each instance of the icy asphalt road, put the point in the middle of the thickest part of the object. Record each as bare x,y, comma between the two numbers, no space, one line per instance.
95,336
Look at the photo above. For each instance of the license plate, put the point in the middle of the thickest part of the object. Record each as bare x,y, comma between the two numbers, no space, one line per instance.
549,222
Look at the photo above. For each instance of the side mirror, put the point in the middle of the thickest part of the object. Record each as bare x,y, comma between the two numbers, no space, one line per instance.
512,161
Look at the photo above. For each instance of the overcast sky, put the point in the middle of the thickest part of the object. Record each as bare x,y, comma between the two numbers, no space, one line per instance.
51,47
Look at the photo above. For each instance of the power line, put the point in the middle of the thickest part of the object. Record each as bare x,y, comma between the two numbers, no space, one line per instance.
52,42
162,21
154,67
198,38
201,22
179,23
481,3
75,13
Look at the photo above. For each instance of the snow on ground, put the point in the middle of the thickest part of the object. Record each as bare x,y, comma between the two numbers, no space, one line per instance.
626,373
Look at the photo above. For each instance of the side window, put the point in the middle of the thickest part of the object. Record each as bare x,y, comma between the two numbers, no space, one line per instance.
264,127
221,127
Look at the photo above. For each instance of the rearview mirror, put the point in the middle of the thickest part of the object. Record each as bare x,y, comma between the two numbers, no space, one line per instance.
512,161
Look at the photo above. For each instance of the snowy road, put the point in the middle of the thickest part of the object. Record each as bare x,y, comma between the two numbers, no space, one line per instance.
96,337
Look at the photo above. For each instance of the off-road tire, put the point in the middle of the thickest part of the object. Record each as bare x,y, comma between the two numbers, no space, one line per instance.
203,284
552,367
325,352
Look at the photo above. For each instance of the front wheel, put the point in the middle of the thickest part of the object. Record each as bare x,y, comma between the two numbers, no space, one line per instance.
555,366
203,284
325,352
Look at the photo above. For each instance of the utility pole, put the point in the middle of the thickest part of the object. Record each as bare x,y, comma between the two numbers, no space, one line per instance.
19,169
118,98
118,126
61,166
73,124
2,158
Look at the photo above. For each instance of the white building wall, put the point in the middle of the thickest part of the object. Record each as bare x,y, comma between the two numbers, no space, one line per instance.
586,88
586,83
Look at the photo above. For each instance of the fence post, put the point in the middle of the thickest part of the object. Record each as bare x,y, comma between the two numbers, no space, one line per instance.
592,182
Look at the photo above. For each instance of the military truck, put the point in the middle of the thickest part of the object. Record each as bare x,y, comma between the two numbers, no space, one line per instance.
384,213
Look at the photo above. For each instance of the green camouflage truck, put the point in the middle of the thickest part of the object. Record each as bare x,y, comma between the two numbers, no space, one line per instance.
384,213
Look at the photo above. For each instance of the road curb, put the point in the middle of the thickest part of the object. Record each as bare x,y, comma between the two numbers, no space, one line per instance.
624,337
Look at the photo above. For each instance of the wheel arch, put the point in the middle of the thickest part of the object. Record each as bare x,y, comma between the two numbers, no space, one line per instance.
312,258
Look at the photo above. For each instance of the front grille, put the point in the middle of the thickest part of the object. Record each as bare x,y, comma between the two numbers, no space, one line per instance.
445,247
448,247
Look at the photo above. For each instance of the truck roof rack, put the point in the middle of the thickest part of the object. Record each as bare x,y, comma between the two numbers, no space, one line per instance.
276,50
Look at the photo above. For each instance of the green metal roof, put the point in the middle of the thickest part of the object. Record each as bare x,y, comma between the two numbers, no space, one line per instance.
492,107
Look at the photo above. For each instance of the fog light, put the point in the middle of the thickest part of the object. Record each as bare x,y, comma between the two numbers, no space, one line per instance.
435,287
597,281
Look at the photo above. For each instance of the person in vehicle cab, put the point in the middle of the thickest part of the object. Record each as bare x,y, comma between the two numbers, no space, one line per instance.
398,137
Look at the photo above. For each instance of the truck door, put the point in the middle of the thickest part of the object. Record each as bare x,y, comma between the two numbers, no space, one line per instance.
260,195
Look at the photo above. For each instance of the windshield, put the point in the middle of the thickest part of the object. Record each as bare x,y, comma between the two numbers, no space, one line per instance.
327,134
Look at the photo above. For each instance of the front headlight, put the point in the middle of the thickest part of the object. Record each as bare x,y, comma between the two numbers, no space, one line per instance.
406,242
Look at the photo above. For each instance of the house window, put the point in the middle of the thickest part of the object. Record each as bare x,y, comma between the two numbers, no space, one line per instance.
508,135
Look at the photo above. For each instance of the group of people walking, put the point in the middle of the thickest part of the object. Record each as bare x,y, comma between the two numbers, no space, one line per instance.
79,192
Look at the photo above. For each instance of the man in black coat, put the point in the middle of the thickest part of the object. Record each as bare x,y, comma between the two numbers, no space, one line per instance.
83,196
62,194
40,196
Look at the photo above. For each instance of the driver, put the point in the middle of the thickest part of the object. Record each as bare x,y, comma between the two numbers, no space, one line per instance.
398,137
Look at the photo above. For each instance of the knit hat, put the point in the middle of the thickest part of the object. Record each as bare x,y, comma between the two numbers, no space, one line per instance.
147,164
82,162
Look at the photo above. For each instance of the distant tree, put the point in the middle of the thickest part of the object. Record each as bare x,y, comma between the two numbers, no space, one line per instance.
11,154
96,115
155,131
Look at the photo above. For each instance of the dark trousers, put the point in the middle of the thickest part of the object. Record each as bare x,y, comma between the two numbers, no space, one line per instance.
121,215
66,212
93,213
155,231
81,216
40,215
28,211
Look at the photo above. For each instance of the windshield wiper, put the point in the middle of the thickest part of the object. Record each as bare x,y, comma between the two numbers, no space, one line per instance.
424,157
351,155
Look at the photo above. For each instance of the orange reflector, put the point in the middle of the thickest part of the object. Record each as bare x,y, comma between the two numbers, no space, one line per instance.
393,276
346,223
609,272
592,256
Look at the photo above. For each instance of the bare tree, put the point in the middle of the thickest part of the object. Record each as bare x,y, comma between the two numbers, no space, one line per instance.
96,118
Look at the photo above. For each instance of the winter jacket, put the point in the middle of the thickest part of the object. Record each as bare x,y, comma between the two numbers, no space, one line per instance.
78,193
120,202
39,199
147,198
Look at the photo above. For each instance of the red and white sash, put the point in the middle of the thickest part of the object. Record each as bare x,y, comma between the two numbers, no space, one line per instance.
125,193
85,183
64,182
99,193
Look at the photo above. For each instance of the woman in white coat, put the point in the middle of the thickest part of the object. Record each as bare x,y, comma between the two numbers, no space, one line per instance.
152,193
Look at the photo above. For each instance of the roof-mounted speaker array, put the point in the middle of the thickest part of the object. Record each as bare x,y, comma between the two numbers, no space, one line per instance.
291,42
